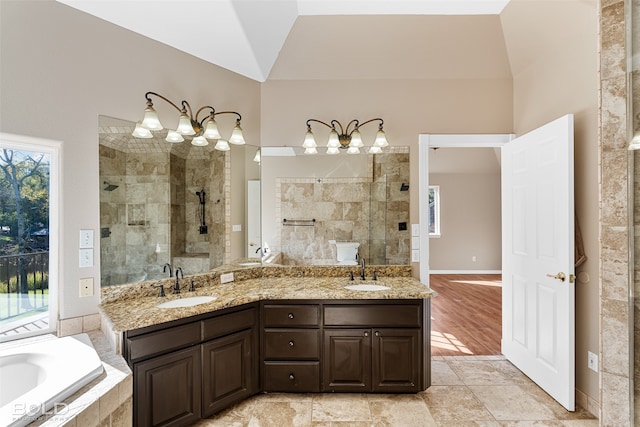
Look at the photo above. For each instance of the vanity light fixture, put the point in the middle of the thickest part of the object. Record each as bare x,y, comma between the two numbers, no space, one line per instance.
345,137
200,130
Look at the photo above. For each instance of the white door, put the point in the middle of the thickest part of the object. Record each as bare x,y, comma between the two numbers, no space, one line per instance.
537,253
253,219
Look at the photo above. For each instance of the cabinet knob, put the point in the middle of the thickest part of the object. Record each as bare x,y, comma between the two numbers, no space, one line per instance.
291,343
292,377
291,316
377,333
366,334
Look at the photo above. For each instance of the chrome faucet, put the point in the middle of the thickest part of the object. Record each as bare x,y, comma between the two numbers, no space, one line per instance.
362,276
164,269
176,287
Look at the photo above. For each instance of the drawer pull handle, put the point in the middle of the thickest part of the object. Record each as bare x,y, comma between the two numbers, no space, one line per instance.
291,316
291,343
291,377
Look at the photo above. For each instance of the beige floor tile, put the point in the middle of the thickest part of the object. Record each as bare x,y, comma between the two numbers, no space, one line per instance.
442,374
558,410
340,407
454,403
490,372
450,423
393,397
581,423
512,402
401,413
279,414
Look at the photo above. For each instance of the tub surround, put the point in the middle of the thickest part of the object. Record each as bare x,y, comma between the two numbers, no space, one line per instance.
129,307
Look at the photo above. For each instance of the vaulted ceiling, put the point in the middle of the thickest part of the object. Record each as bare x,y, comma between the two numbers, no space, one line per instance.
324,39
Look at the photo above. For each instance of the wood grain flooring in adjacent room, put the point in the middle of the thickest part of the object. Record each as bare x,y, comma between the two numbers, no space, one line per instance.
466,316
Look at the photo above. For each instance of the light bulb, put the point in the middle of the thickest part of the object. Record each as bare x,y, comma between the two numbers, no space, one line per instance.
381,139
310,150
151,120
173,136
184,125
356,139
222,145
211,131
334,141
199,141
353,150
141,132
333,150
236,136
375,150
309,140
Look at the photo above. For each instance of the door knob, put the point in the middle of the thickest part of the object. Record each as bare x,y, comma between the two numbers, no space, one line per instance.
560,276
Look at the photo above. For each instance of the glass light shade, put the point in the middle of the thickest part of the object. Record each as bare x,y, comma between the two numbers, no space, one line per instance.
310,150
333,150
256,158
173,136
199,141
141,132
353,150
381,139
375,150
309,140
222,145
356,139
184,126
236,136
211,131
334,141
151,120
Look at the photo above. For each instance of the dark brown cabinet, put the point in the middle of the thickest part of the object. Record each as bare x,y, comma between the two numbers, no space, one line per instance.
385,354
178,372
194,368
291,347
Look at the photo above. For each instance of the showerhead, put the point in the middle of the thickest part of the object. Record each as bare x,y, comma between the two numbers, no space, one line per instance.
109,187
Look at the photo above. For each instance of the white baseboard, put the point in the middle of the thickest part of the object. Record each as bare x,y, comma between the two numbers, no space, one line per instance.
465,271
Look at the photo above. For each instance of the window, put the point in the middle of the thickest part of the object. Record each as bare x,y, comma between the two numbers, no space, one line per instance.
434,211
28,236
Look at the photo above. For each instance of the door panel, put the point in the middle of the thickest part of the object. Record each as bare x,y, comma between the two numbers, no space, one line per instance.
538,244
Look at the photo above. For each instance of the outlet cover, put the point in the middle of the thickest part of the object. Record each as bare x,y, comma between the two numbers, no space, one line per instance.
86,287
592,361
226,278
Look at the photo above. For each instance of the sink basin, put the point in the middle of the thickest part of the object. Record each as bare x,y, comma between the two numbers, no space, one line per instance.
369,287
186,302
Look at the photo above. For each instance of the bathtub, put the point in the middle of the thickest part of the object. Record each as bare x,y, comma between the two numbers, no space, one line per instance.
37,377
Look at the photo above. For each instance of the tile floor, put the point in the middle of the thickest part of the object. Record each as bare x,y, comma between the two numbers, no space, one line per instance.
466,391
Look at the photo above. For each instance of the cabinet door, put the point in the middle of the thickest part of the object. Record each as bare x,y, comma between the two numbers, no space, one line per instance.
167,389
396,360
228,371
346,360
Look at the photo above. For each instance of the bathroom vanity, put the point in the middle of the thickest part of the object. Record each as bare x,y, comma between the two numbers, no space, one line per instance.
271,334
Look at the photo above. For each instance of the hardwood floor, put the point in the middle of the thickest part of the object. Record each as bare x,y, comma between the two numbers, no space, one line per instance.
466,316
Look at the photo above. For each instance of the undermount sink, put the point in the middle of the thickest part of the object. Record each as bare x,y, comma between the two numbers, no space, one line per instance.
369,287
186,302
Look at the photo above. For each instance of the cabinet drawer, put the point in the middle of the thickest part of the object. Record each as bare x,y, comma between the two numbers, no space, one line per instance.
291,315
228,323
292,344
156,343
292,376
372,315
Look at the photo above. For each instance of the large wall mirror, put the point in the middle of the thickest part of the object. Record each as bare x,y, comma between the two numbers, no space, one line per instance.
172,203
335,209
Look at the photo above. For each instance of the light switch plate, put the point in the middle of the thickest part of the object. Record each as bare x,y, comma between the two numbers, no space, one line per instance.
415,255
86,239
236,227
415,229
415,242
86,258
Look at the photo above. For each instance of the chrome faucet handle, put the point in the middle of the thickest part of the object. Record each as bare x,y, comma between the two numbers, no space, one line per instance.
161,291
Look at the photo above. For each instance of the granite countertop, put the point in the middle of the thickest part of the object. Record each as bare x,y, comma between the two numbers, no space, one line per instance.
136,309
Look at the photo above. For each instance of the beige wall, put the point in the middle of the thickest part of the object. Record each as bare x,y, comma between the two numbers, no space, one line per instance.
470,223
409,108
550,80
60,69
